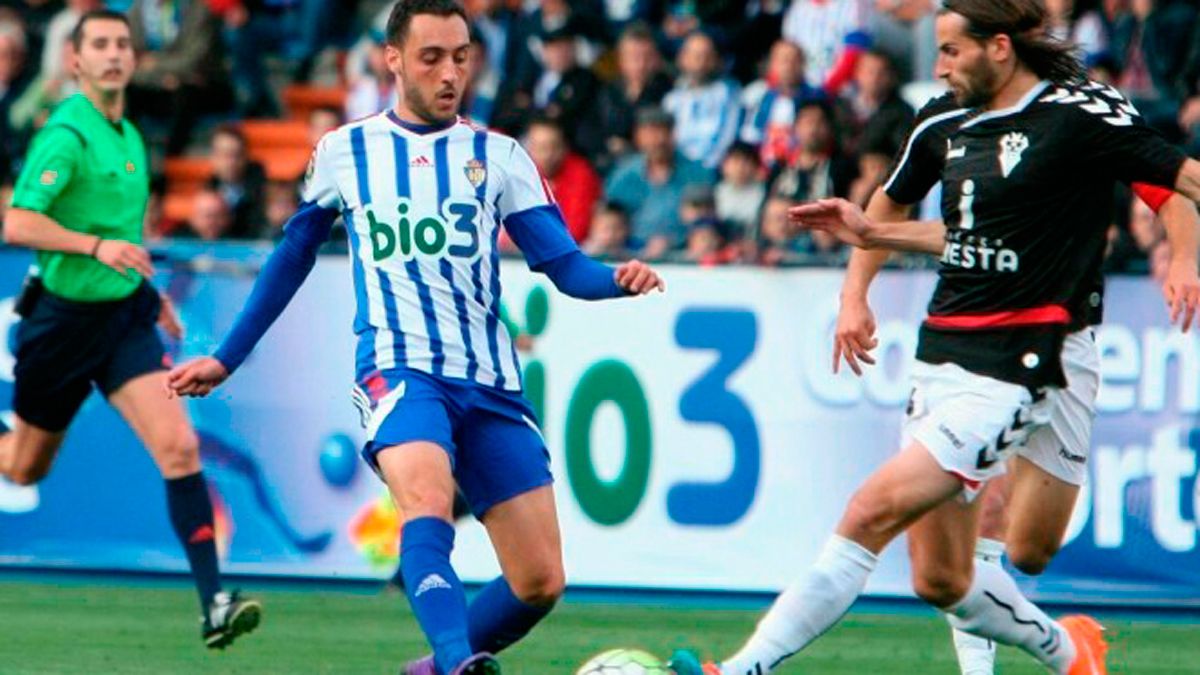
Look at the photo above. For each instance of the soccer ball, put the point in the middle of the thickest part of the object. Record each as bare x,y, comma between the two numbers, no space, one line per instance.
624,662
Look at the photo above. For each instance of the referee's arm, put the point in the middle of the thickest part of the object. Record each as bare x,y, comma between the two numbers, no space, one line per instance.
40,232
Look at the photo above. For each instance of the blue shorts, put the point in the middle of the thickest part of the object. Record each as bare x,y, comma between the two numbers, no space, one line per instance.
495,447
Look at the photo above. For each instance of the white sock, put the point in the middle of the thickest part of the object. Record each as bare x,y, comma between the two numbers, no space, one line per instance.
994,608
977,655
808,608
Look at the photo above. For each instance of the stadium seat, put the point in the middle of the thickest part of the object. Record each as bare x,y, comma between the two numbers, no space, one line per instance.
300,100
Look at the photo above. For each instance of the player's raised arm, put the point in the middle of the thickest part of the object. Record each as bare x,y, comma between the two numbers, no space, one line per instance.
1181,288
854,335
536,225
281,276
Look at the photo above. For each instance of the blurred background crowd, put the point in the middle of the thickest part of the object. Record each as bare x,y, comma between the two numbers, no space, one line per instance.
668,129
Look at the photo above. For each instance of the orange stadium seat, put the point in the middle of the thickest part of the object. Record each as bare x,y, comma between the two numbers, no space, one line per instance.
284,164
301,100
268,134
187,174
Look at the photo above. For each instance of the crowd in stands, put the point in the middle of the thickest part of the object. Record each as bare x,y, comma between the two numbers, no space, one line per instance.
667,129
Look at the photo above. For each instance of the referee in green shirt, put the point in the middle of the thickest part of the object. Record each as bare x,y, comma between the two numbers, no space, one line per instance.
90,318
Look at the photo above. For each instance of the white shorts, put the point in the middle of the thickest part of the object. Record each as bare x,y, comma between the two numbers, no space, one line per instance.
972,424
1062,447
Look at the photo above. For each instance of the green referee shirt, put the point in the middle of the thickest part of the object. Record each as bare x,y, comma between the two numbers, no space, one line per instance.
88,175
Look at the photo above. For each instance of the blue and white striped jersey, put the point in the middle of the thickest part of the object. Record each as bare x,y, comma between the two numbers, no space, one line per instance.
707,117
423,208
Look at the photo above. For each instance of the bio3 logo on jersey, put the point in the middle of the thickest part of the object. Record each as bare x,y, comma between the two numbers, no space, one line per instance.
453,232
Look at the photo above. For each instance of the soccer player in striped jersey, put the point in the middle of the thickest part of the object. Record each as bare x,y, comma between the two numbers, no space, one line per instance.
423,195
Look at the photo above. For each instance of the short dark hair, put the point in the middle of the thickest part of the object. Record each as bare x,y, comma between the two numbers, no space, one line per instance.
232,130
1026,23
637,31
404,11
541,120
95,15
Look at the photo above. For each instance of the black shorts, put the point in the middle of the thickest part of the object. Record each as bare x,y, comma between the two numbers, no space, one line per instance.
63,347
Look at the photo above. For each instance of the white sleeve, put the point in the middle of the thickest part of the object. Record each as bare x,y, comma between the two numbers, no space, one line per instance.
320,180
523,187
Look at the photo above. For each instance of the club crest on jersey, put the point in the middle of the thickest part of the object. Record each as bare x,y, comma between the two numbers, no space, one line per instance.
476,172
1012,146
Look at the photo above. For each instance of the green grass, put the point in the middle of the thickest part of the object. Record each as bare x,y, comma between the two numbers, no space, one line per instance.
128,627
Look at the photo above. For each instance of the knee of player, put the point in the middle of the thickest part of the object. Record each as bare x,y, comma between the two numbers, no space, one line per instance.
1031,559
541,587
179,453
940,586
869,514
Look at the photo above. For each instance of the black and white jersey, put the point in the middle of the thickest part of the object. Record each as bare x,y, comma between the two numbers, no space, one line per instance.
1027,197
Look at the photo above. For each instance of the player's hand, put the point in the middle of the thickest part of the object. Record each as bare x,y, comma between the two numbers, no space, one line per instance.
197,377
123,256
841,218
168,318
1181,289
638,278
854,337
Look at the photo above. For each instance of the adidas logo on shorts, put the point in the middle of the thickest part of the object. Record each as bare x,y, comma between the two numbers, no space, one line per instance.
429,583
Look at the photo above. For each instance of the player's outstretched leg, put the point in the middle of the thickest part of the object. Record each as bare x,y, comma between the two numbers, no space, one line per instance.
418,474
903,489
163,427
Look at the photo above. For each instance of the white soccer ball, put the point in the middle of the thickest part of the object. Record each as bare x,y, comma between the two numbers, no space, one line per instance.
624,662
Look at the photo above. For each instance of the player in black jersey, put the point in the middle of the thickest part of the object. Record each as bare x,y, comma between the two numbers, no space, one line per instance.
1048,469
1026,183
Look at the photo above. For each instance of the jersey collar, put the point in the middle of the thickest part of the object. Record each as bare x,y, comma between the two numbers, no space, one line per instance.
1027,99
420,129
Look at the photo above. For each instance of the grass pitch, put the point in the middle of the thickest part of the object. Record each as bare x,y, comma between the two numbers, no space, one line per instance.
128,626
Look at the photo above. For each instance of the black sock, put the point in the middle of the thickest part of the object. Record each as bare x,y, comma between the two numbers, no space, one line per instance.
191,514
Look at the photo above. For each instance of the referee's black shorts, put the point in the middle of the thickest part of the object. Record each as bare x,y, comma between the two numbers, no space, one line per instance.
63,347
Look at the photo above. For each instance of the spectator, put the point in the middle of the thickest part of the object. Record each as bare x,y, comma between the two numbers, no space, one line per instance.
376,92
58,36
641,83
648,185
707,237
496,26
239,182
817,169
583,18
832,33
29,112
741,192
34,16
211,218
281,203
479,97
877,116
770,104
566,92
295,29
1151,45
678,19
154,221
321,121
704,104
776,241
574,183
180,70
608,234
1086,28
755,38
14,78
873,165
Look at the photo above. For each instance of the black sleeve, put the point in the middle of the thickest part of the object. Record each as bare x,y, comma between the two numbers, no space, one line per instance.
918,164
1114,138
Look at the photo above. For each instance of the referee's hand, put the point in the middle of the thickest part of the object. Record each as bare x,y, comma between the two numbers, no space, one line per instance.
197,377
123,256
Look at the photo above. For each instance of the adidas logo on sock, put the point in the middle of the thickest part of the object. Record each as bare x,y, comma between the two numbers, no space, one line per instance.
430,583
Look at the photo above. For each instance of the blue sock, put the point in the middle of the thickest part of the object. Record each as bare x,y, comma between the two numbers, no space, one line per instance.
433,589
497,618
191,514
